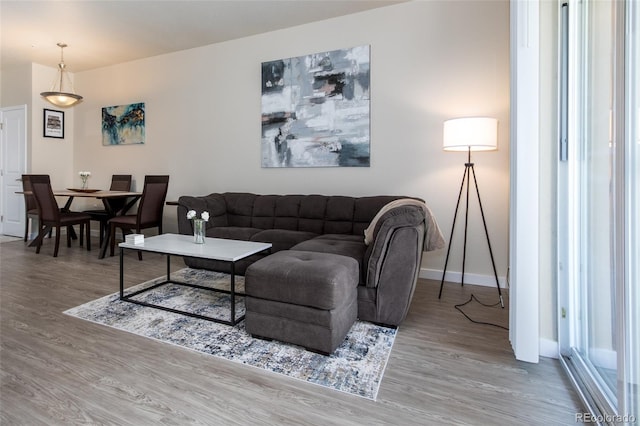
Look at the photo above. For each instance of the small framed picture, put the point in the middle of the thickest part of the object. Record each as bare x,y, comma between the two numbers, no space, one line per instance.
53,124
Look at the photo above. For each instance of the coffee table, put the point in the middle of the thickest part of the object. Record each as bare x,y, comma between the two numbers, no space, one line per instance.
182,245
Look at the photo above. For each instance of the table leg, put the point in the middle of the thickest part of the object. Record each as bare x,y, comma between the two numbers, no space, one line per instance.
121,273
67,205
105,245
232,294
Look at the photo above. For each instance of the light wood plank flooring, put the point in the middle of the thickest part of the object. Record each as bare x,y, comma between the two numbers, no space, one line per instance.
59,370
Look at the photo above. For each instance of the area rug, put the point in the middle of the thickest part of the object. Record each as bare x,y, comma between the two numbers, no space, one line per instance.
356,367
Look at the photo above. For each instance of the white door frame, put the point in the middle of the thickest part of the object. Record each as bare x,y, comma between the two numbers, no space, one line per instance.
524,330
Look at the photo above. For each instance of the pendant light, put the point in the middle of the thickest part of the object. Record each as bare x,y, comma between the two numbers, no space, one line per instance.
57,95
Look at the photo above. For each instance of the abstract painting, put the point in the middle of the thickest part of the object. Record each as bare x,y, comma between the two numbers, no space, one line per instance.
123,124
315,110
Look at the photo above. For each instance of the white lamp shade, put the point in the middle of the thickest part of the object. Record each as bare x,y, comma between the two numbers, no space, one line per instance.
475,133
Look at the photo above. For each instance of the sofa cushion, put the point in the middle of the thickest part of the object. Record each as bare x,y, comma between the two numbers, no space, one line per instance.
339,215
264,208
239,208
344,247
282,239
341,237
286,212
311,213
319,280
232,232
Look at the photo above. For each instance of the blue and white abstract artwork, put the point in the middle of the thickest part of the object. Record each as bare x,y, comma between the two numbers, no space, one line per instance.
315,110
123,124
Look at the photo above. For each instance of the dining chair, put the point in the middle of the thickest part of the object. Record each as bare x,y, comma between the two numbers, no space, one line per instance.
52,217
115,205
30,206
149,214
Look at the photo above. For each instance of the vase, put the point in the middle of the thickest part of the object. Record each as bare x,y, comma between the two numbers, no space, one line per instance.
199,230
84,183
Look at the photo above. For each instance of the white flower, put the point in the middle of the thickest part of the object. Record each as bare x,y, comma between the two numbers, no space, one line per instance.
84,174
191,214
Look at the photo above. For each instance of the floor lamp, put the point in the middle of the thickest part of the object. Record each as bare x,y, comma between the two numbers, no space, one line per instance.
470,134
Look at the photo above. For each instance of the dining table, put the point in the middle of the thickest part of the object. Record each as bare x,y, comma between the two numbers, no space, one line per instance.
99,194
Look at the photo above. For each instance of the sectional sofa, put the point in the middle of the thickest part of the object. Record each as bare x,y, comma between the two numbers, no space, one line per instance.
388,258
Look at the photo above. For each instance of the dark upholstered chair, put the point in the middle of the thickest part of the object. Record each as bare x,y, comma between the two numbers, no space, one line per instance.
115,205
30,205
149,213
51,216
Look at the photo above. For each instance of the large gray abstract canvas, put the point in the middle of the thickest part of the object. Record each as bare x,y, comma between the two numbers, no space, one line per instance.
315,110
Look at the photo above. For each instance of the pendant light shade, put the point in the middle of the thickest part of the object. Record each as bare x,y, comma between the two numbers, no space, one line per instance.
57,95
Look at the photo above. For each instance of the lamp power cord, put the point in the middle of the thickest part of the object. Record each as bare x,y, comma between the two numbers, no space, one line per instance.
472,298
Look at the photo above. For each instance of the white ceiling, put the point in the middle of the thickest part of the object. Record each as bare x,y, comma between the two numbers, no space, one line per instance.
102,33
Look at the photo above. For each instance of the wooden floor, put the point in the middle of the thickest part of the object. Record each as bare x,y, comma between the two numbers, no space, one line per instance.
60,370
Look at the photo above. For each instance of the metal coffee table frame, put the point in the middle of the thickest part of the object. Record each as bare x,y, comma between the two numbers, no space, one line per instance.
182,245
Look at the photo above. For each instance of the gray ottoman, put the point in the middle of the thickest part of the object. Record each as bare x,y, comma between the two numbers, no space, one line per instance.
300,297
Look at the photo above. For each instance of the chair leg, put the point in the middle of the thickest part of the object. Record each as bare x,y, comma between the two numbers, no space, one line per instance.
43,231
103,229
112,239
88,235
39,238
55,250
26,228
69,232
81,234
139,252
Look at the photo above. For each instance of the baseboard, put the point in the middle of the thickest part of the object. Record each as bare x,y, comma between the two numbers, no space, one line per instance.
456,277
549,348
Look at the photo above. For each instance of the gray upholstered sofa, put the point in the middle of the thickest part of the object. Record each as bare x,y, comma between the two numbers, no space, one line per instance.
388,264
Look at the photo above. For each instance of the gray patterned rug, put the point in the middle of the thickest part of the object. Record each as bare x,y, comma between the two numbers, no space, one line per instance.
356,367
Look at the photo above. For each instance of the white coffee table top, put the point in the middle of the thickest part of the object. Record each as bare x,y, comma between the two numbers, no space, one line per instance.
214,248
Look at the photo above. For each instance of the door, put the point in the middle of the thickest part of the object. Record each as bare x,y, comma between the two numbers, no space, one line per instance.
13,143
597,209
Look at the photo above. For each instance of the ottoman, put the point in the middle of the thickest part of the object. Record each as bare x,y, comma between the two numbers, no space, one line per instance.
304,298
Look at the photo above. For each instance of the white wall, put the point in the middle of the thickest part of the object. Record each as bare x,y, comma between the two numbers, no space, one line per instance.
52,156
430,61
21,85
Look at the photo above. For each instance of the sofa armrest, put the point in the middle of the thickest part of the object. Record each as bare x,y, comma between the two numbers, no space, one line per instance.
385,243
214,204
393,261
